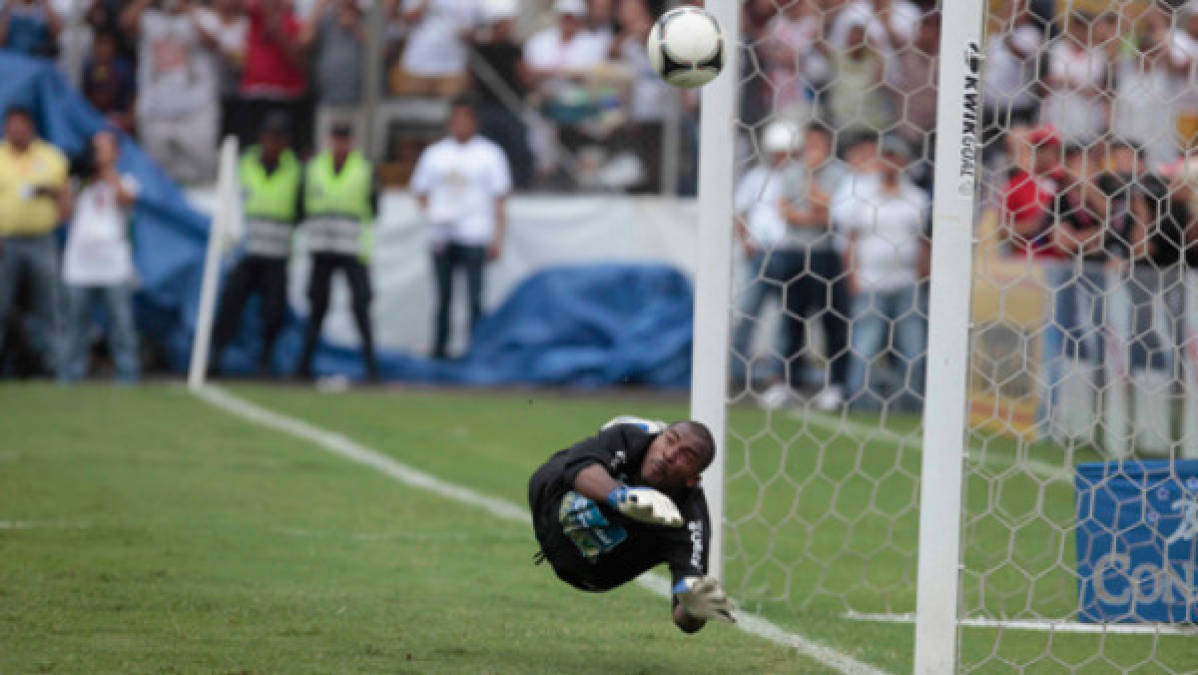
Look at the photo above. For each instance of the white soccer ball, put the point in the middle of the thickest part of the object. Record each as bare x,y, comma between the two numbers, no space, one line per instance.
686,47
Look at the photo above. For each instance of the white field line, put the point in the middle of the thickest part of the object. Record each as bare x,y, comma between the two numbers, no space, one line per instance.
859,431
348,449
1043,625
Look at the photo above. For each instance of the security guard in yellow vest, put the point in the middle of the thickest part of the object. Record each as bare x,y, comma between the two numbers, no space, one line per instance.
340,200
271,182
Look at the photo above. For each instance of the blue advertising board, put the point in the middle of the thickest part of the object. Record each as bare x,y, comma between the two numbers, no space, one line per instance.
1137,533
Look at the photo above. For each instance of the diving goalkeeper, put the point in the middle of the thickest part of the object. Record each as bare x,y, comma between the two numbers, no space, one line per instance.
625,500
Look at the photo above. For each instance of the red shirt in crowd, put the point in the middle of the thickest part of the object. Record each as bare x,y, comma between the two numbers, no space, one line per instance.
1027,200
268,71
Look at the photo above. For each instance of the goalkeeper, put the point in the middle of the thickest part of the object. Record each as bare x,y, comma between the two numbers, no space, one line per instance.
625,500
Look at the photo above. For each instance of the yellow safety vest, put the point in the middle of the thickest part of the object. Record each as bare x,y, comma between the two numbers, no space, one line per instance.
337,205
270,202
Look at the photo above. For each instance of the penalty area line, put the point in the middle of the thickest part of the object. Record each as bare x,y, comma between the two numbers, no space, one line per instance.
344,447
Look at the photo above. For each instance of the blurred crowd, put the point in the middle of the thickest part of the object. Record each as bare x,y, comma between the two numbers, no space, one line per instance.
1088,125
566,86
1089,119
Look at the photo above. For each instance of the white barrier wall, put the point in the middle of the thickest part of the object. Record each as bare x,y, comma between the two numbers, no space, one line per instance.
543,231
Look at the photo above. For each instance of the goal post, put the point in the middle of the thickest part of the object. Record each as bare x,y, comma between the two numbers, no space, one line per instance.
981,459
713,269
958,118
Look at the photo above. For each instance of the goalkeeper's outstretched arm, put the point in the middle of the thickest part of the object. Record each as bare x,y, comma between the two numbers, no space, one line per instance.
638,503
595,482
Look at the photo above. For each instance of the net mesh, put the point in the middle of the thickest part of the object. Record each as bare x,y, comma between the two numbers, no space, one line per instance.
1084,315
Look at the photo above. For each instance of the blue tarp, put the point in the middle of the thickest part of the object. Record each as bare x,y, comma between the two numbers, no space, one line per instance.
578,326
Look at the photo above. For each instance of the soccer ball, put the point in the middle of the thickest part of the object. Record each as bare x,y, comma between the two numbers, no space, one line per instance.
686,47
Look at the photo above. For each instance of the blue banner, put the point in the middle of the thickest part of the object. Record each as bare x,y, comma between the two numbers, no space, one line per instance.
1137,535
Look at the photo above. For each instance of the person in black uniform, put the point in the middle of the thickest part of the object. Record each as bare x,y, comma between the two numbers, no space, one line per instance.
339,203
621,502
270,177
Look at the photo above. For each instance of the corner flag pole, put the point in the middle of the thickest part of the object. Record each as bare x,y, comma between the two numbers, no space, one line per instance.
226,186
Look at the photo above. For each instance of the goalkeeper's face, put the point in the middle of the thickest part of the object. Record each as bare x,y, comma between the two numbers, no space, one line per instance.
674,459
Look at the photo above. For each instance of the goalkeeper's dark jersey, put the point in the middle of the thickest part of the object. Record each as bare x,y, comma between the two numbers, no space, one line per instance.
591,545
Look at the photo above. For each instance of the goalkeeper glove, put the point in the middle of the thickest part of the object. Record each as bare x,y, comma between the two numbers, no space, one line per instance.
704,598
646,505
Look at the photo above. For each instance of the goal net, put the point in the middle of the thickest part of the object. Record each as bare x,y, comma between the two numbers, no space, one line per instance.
1063,379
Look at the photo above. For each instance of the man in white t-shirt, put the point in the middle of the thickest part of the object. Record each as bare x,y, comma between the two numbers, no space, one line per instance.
178,107
566,49
98,264
561,56
883,219
462,182
774,255
434,58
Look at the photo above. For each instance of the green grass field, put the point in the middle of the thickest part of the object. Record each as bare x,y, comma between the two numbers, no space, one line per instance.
142,530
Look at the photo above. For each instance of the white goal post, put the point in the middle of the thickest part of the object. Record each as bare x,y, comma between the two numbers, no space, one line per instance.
958,136
713,276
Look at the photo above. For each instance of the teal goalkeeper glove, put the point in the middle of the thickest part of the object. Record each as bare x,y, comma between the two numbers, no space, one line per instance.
704,598
646,505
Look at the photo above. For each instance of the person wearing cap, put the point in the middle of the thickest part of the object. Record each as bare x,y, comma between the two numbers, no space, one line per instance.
270,177
499,97
566,51
773,255
567,48
884,220
820,291
340,200
462,183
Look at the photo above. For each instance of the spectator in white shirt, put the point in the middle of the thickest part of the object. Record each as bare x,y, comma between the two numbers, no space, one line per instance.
1077,82
890,24
435,54
462,182
1010,80
772,255
883,219
1144,106
562,54
98,263
177,93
